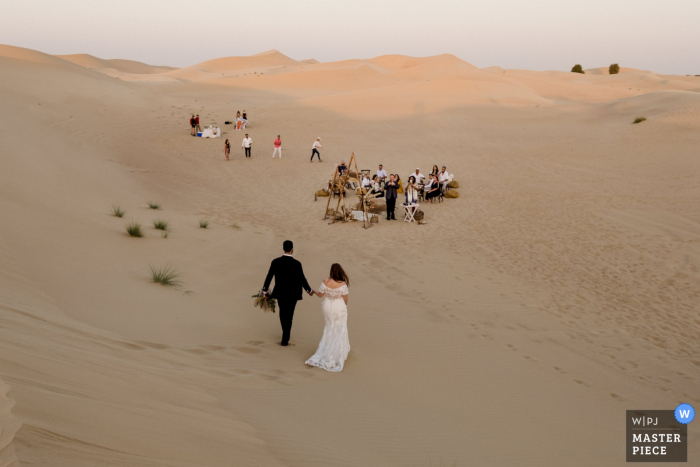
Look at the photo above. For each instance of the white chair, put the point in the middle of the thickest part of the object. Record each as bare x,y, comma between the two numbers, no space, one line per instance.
409,211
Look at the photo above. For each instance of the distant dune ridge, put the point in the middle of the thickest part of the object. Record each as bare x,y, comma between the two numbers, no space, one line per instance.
566,274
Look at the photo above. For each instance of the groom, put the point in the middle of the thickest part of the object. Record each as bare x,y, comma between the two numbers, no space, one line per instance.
289,280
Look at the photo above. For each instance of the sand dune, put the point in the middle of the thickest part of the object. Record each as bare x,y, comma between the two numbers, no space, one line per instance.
125,66
566,274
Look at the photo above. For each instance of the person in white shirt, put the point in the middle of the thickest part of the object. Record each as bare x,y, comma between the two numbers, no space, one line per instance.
418,176
366,182
247,143
381,173
444,178
314,149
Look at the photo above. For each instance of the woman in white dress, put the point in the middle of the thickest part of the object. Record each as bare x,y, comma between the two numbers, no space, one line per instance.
335,345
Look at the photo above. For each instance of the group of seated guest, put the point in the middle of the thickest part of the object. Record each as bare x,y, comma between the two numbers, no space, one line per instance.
433,186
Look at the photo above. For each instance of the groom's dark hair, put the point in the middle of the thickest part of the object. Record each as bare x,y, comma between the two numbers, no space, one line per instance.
287,246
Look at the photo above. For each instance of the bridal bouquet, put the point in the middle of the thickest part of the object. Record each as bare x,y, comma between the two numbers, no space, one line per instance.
265,302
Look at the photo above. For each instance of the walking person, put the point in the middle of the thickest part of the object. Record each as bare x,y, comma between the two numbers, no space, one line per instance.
315,148
390,193
247,143
334,347
227,149
197,128
289,282
278,147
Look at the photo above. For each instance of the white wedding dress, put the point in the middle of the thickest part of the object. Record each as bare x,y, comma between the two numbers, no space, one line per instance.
335,345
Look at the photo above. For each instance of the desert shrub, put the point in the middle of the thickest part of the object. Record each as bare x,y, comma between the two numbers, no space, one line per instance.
639,119
118,211
203,223
153,205
160,224
165,276
578,69
134,229
614,69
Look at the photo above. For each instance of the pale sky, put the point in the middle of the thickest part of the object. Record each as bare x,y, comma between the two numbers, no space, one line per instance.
657,35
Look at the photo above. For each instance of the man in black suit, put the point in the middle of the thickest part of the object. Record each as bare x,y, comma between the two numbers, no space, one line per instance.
289,281
390,193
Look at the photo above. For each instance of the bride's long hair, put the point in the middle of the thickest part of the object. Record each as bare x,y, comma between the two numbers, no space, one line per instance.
338,274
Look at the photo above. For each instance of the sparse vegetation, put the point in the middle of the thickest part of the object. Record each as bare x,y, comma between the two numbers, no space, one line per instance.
639,119
165,234
614,69
118,211
160,224
134,229
578,69
236,226
203,223
166,275
153,205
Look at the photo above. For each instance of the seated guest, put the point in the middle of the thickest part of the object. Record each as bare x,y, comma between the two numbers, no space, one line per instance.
399,183
435,171
411,191
418,176
377,188
381,173
444,178
366,182
433,190
342,168
244,117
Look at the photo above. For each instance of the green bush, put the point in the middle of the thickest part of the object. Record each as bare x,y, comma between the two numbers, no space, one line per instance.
639,119
203,223
118,211
578,69
153,205
134,229
165,276
614,69
160,224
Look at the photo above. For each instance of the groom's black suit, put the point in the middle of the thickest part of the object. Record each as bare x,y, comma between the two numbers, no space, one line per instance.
289,282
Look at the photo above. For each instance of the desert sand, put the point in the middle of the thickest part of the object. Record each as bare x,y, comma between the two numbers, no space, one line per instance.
514,328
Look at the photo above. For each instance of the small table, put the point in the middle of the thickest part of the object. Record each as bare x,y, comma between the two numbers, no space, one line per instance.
409,212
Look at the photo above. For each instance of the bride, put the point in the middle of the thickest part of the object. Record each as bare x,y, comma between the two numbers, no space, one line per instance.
335,345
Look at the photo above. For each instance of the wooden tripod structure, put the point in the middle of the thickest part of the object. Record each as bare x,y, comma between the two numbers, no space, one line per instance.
339,181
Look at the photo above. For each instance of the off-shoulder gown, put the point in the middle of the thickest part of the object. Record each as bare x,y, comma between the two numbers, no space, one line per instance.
335,345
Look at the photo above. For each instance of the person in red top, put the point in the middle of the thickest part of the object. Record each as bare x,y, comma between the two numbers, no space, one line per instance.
192,124
196,122
278,147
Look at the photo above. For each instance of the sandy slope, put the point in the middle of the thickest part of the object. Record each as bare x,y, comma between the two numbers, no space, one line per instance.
514,328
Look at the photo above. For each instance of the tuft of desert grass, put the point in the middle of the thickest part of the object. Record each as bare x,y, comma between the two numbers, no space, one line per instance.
153,205
236,226
160,224
165,234
639,119
203,223
118,211
166,275
134,229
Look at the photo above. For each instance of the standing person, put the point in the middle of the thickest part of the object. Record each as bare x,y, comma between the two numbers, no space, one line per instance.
411,191
278,147
245,119
399,183
227,149
247,143
289,282
192,124
196,122
315,148
418,176
334,347
390,193
238,120
381,173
